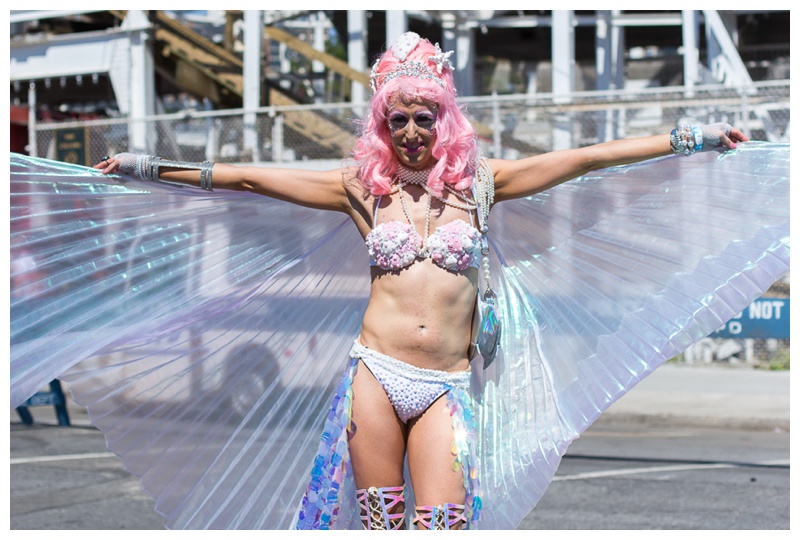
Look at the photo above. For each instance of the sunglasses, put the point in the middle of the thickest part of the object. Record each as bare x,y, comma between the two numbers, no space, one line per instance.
423,120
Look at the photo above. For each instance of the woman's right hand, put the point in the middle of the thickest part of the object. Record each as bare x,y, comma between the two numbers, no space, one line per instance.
108,165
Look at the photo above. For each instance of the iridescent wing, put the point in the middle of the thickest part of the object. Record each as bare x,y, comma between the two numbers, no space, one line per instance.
204,333
603,279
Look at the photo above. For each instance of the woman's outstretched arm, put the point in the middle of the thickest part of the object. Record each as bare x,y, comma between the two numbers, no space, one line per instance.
523,177
316,189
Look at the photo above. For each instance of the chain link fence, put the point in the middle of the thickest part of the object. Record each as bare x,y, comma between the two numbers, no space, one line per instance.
508,126
772,354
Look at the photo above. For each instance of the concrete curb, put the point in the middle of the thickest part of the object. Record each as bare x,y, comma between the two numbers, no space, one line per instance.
779,425
716,396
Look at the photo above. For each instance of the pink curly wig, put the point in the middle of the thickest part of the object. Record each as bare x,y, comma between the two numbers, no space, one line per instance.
455,148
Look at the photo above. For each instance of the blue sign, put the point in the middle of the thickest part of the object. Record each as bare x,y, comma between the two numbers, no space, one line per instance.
765,318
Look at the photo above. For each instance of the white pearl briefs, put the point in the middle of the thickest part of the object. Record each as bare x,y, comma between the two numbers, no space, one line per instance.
411,389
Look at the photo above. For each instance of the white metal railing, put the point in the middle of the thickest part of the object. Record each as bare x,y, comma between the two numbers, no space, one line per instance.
507,125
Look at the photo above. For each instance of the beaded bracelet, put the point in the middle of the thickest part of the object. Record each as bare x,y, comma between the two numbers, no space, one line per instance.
686,140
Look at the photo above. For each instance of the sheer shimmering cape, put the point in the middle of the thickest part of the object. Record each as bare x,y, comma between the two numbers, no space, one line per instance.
205,332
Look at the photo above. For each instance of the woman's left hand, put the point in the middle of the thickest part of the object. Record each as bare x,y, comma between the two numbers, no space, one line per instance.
721,134
735,136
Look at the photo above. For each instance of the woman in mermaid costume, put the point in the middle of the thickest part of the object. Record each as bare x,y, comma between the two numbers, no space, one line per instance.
441,420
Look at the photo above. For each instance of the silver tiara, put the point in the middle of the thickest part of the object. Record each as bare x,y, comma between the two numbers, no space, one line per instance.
400,49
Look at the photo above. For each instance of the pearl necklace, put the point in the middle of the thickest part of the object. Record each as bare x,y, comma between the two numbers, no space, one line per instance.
407,177
413,176
484,196
423,250
420,177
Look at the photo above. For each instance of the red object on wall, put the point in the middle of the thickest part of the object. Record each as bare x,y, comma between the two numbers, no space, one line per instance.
19,129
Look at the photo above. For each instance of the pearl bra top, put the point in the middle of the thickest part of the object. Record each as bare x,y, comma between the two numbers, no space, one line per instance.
394,245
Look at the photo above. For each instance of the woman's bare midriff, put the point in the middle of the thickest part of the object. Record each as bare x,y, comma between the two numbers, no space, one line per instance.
421,315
